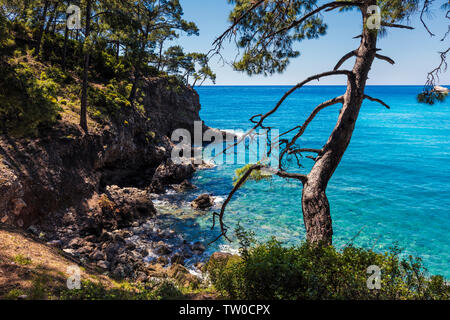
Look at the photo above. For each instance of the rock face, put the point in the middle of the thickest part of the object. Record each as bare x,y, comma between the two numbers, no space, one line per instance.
203,202
170,173
90,194
65,168
171,109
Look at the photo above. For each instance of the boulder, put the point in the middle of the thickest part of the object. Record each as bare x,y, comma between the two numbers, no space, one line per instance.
218,259
198,246
170,173
182,276
184,186
162,248
203,202
134,200
177,258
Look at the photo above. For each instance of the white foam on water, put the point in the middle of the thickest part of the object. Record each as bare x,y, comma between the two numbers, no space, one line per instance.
238,133
228,249
219,200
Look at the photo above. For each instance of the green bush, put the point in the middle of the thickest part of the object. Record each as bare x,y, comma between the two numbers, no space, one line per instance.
27,102
150,291
272,271
108,102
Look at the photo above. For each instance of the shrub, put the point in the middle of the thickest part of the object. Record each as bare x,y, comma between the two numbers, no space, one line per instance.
126,291
108,102
27,103
22,260
272,271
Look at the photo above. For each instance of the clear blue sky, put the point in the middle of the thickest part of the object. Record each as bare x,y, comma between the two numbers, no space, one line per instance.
415,52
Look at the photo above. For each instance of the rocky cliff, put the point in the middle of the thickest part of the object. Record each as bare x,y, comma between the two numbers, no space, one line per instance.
90,194
65,168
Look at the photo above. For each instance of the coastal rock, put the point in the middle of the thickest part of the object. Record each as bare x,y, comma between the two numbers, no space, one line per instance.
171,173
198,248
156,271
184,186
137,202
219,257
203,202
183,276
11,193
177,258
162,248
103,264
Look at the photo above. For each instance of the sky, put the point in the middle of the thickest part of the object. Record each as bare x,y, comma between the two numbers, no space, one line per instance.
414,51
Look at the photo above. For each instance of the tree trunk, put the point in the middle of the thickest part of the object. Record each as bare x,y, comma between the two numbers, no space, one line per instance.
315,206
134,88
41,28
66,38
83,111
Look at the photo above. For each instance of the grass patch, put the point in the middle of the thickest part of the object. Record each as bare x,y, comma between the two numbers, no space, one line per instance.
22,260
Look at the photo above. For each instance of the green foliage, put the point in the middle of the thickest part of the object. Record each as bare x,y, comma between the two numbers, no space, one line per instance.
272,271
14,294
256,175
6,41
27,102
22,260
431,97
268,33
107,103
265,51
96,291
125,44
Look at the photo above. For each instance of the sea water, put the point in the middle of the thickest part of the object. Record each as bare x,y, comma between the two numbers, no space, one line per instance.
390,189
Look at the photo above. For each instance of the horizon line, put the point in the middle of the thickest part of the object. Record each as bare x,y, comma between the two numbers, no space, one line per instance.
311,85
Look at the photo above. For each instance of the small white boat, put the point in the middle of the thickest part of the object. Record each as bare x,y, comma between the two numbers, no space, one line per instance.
441,89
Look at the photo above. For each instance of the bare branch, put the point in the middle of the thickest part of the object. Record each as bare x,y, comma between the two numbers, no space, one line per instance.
425,8
385,58
320,107
287,94
305,150
433,75
236,187
345,58
289,175
376,100
393,25
239,184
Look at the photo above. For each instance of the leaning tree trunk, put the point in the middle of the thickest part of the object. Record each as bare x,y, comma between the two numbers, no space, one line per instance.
315,206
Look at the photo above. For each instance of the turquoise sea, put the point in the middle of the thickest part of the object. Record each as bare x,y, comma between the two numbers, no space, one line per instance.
391,188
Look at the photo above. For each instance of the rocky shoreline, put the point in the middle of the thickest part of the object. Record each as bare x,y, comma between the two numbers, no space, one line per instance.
91,195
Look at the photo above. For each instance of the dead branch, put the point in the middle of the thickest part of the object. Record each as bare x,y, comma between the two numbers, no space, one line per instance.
385,58
236,187
313,114
287,94
345,58
239,183
425,8
305,150
433,75
376,100
394,25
